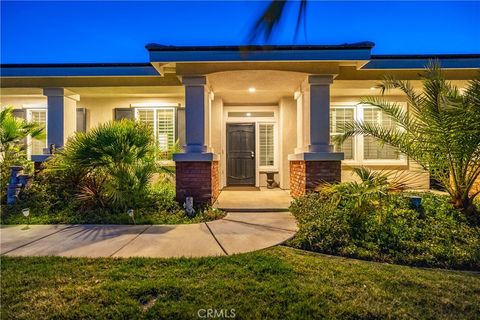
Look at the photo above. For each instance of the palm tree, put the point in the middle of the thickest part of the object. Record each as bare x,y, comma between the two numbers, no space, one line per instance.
113,162
269,19
13,132
440,131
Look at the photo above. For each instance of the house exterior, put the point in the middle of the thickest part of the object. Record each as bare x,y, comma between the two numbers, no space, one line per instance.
240,113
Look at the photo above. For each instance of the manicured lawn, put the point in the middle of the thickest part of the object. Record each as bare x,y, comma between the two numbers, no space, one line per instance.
275,283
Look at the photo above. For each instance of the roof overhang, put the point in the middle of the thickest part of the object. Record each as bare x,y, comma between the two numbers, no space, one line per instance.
78,70
390,62
344,52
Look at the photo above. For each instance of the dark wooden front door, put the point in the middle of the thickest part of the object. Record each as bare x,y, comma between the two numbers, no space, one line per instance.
241,154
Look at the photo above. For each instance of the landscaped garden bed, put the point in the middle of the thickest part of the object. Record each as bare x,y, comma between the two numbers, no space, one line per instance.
365,221
98,177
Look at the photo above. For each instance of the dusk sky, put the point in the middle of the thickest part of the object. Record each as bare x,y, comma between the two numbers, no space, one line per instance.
94,31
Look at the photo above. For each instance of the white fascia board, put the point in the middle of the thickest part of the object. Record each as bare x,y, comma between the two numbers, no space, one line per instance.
382,64
264,55
77,71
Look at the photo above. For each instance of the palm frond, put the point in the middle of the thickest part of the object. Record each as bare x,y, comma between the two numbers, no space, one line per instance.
270,18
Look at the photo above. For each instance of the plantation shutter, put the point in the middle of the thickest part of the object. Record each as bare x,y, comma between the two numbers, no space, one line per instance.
124,113
19,113
165,128
372,148
266,147
180,126
339,116
81,120
37,145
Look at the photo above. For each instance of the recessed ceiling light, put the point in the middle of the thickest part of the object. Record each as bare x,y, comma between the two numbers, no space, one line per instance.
248,114
252,89
372,88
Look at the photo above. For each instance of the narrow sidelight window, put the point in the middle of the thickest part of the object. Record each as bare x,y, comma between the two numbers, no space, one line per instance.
266,144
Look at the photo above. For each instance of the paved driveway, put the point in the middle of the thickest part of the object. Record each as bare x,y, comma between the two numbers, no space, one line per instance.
236,233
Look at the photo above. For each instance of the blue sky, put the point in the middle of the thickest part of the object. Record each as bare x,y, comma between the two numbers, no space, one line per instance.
95,31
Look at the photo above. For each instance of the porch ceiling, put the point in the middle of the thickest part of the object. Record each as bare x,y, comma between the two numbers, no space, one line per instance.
270,85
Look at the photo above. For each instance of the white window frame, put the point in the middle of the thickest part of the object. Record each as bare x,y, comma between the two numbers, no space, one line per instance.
155,122
358,142
257,121
28,115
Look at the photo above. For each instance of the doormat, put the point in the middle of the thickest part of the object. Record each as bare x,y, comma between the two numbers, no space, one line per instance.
240,188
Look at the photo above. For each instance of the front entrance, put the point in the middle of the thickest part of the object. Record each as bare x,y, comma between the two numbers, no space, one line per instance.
241,154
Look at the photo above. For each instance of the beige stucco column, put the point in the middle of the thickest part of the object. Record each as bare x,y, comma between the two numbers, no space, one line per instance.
197,168
320,113
299,98
195,111
208,122
61,115
316,164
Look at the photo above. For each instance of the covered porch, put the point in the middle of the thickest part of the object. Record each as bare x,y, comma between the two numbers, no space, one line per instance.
257,123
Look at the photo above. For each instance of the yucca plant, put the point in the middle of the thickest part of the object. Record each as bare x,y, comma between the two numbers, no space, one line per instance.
117,160
13,132
440,130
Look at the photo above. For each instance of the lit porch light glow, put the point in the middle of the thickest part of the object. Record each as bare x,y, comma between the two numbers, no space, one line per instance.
252,89
372,88
248,114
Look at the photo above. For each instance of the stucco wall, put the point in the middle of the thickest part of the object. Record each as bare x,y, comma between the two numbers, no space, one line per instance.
288,137
20,102
216,133
412,174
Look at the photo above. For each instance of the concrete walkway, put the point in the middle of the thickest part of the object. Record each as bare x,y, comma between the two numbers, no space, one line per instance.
236,233
264,200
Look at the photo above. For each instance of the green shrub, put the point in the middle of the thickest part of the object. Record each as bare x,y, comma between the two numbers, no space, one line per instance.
323,225
436,235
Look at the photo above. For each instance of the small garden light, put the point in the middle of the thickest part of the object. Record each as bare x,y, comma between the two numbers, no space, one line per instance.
415,202
26,214
130,214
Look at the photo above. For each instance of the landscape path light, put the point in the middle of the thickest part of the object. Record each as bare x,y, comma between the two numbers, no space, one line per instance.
130,214
26,214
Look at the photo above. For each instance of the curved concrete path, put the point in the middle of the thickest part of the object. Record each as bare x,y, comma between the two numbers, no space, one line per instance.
236,233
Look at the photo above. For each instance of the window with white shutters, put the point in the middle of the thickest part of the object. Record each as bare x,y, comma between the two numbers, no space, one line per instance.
339,116
36,146
162,122
362,149
372,148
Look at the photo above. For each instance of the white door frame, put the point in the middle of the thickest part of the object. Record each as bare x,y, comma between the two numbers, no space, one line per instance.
257,121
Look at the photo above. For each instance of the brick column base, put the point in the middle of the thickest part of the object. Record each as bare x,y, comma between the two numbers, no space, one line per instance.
197,179
306,175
